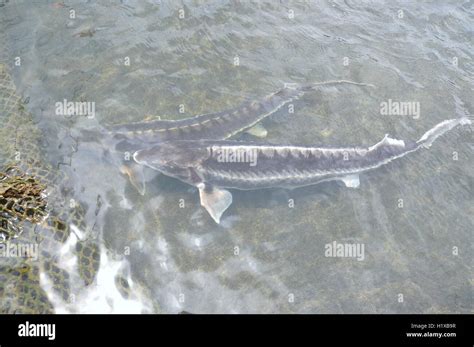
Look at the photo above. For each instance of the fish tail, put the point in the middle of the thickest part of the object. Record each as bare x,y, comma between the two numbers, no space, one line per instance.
440,129
314,86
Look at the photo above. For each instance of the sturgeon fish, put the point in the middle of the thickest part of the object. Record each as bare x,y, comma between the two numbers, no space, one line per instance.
220,125
212,126
213,166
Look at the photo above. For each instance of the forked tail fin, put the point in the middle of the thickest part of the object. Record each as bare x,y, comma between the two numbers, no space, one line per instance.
440,129
315,85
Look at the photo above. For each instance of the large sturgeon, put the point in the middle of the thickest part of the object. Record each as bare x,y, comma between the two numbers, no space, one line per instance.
212,126
212,166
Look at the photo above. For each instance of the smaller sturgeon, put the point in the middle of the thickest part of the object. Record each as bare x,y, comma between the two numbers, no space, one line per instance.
212,166
219,125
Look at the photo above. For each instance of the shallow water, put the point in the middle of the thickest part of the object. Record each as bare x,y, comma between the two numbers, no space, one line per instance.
265,256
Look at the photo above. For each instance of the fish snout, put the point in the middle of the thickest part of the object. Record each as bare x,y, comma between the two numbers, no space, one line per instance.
153,157
145,157
138,157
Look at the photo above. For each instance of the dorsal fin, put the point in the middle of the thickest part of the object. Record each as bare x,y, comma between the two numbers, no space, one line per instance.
387,141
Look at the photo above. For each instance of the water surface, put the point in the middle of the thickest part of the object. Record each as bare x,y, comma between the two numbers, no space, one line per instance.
192,57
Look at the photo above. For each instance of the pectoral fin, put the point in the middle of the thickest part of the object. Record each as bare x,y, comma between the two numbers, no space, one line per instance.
135,173
351,181
214,200
257,130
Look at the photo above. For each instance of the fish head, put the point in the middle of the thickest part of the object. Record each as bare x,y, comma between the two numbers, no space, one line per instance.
173,158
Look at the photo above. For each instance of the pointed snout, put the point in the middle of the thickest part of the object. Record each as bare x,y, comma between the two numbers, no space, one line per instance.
146,155
137,156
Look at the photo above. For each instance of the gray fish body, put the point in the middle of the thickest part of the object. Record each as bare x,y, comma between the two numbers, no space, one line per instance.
214,165
247,166
212,126
292,166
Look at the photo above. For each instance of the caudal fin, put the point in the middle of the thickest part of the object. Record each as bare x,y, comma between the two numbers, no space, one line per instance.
431,135
315,85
